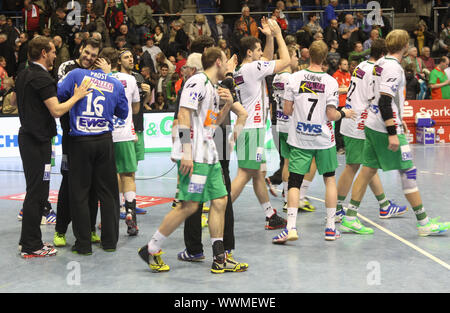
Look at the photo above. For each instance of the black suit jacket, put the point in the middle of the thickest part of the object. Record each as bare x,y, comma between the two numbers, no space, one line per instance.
226,32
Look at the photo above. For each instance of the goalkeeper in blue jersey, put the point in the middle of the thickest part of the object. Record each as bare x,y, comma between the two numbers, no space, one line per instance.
91,154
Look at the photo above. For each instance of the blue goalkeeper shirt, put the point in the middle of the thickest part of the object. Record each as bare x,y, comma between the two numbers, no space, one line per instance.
93,115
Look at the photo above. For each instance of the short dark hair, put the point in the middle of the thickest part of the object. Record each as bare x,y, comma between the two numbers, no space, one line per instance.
165,65
36,45
378,48
248,43
111,56
94,43
443,59
210,57
202,42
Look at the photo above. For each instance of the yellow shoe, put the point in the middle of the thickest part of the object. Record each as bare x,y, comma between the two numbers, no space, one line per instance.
204,221
306,206
292,234
154,261
205,208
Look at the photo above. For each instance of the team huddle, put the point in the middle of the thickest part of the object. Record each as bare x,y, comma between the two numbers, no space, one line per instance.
305,105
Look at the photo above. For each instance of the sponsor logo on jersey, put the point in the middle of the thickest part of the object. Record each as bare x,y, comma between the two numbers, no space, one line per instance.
278,86
92,124
239,80
124,83
377,70
309,129
99,85
358,73
311,87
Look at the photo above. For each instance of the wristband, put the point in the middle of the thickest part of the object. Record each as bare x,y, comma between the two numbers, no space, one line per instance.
229,74
342,114
392,130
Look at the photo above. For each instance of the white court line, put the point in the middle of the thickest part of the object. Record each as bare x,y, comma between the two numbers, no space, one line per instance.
406,242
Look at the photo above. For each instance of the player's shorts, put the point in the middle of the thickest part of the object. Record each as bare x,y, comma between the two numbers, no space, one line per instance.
139,146
377,155
300,160
285,148
205,184
354,150
250,149
125,154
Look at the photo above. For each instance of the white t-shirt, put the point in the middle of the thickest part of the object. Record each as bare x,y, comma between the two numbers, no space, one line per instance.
124,129
279,84
202,98
389,78
358,99
251,90
311,93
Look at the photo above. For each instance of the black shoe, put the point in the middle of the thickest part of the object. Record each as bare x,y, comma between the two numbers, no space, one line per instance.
130,218
275,222
80,252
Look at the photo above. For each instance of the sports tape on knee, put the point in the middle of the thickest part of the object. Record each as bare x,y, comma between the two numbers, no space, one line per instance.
295,180
409,182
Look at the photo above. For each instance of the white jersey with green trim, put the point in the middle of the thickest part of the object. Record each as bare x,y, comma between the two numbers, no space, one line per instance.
124,129
389,78
279,85
312,93
201,97
251,90
358,96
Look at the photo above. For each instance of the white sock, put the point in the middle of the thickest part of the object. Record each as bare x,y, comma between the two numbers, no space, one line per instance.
121,200
130,196
156,242
268,210
304,189
331,213
213,240
291,218
285,189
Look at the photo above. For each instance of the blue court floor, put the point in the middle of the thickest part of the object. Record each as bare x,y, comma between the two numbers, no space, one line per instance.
393,259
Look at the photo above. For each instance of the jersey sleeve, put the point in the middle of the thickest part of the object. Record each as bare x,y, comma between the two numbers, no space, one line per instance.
121,109
289,94
135,95
332,93
260,69
390,79
192,94
66,86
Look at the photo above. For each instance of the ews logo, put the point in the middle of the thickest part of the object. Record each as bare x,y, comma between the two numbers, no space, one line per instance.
309,129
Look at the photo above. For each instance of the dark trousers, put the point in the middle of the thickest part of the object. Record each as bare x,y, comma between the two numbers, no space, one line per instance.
338,135
193,224
36,161
92,163
63,218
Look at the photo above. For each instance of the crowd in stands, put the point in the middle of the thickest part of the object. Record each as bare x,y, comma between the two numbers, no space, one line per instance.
160,44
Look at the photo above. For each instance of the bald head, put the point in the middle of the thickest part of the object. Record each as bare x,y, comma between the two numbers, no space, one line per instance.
57,41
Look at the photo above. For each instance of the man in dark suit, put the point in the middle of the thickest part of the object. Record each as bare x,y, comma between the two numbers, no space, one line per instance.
220,30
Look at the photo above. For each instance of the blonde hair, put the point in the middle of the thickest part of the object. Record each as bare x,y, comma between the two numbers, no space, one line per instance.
397,40
318,52
200,18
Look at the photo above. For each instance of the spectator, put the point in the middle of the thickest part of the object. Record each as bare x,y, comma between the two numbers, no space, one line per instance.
444,39
159,104
151,49
220,30
23,49
3,73
422,37
9,105
318,36
30,15
332,32
251,28
363,26
121,43
130,38
171,94
329,13
113,18
276,15
348,25
428,61
304,57
199,27
180,62
141,20
176,40
222,44
78,39
160,61
342,77
159,34
439,82
412,84
62,54
419,69
374,35
229,6
171,7
60,27
8,30
333,57
313,24
238,34
7,52
98,24
172,60
358,54
325,67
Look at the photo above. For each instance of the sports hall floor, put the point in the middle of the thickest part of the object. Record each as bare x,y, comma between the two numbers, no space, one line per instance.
393,259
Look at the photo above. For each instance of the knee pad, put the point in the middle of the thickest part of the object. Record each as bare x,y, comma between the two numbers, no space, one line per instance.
295,180
329,174
409,183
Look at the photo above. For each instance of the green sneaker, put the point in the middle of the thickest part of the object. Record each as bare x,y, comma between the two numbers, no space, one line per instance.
433,227
59,240
94,237
355,226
